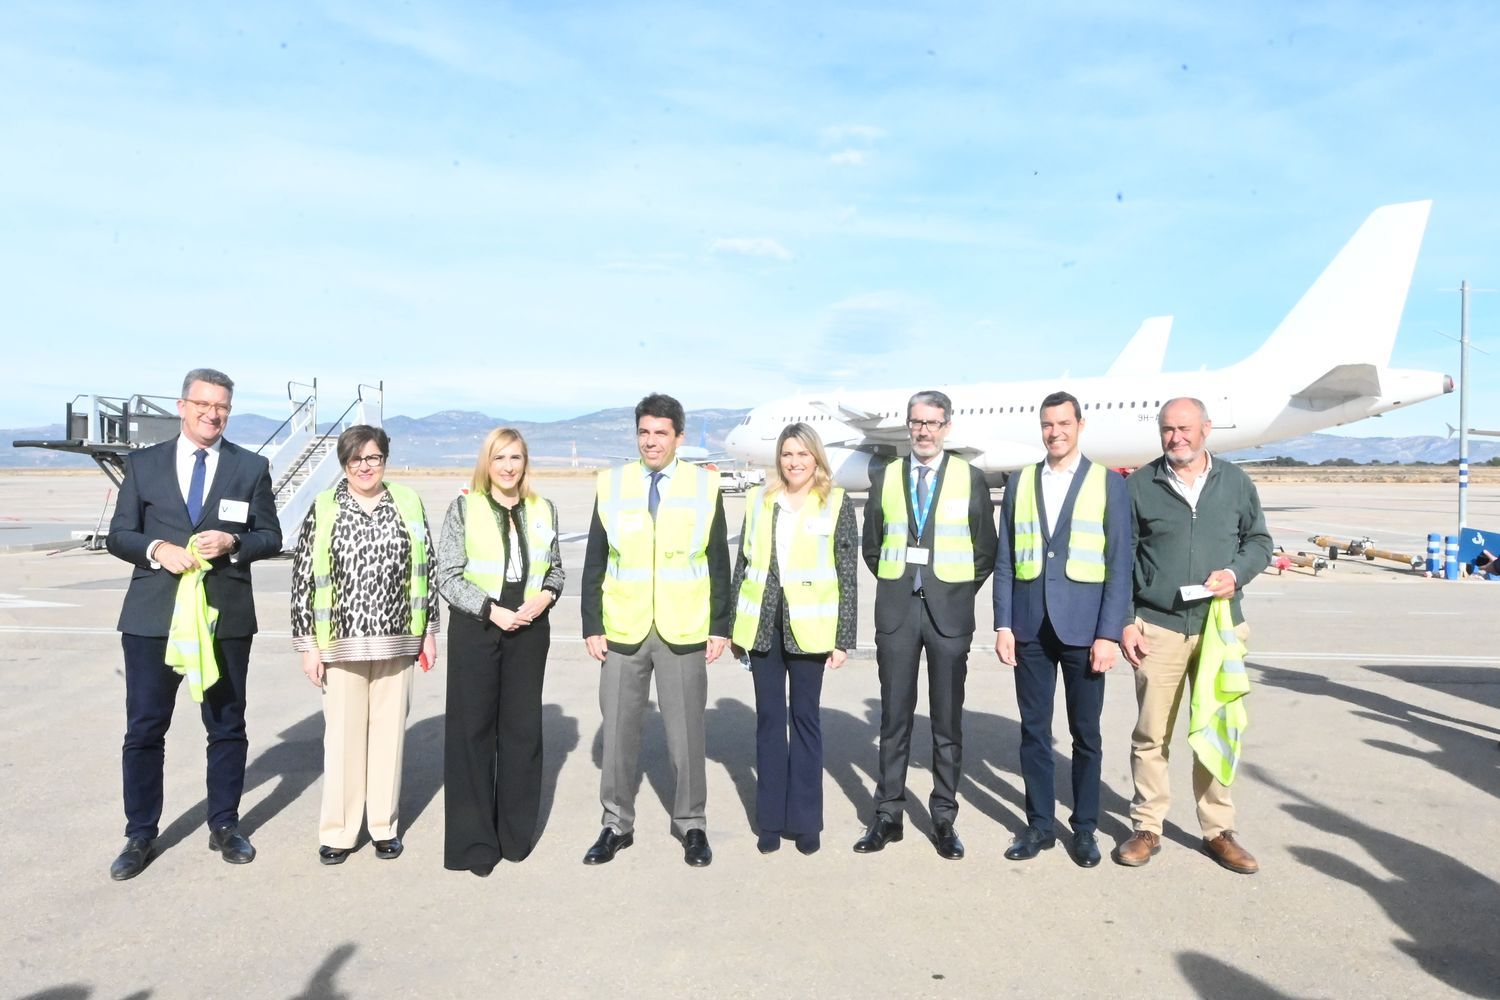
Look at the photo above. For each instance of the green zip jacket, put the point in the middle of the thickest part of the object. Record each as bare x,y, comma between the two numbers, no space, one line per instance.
1176,546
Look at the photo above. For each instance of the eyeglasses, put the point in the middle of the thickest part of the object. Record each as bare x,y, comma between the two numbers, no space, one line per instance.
925,425
366,461
203,406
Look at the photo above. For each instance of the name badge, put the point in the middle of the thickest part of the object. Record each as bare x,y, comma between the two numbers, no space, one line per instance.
917,557
1195,592
632,520
955,508
237,511
819,525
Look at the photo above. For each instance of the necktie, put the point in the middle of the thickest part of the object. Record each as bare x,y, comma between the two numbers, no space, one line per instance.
654,499
922,492
195,484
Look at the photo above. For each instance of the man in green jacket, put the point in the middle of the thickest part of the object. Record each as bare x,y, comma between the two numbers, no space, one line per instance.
1200,534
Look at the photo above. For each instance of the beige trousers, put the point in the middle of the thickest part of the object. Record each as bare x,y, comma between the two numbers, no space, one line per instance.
1171,660
364,718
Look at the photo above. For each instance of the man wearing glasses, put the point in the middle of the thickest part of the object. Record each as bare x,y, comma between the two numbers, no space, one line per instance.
201,492
929,538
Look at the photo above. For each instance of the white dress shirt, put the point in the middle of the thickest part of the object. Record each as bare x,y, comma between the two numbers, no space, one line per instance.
1055,486
186,458
1191,491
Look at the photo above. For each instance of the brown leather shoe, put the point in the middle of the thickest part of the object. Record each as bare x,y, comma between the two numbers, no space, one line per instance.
1138,849
1230,854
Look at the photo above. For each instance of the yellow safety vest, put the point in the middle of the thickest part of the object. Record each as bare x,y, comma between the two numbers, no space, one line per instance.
952,543
325,512
1217,725
484,547
809,578
1085,539
657,573
190,637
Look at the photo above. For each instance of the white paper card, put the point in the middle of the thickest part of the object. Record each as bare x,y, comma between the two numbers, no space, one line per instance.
819,525
1195,592
236,511
955,508
916,557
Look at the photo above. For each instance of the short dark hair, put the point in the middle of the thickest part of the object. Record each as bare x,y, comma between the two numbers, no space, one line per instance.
931,397
210,375
1059,398
662,406
352,441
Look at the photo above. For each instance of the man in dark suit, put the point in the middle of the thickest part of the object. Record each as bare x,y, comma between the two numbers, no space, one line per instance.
929,538
1062,595
196,485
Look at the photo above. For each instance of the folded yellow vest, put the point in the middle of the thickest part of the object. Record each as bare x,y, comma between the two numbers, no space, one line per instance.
190,638
1217,724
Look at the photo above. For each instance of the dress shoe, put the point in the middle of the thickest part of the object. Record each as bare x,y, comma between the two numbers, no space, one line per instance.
881,832
1028,844
1138,849
768,843
333,855
133,859
609,843
388,850
483,871
1085,849
695,849
232,845
1227,852
949,847
808,843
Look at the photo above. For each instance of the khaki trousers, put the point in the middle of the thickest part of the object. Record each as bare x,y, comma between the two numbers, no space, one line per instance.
1171,660
364,718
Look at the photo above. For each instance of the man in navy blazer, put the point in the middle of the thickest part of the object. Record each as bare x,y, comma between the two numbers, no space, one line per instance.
1055,610
197,484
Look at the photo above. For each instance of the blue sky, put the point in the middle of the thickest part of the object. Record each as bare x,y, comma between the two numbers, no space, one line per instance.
540,210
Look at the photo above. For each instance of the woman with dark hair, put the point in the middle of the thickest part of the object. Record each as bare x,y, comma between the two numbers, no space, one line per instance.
362,611
795,610
500,568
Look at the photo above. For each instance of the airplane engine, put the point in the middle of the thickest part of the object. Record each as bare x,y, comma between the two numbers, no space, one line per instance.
1006,456
850,468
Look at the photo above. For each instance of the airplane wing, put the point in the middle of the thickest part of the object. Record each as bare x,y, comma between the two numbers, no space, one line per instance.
1339,385
1146,351
876,428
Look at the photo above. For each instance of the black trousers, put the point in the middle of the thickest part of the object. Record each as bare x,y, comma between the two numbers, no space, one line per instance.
1037,666
492,753
788,759
150,695
898,653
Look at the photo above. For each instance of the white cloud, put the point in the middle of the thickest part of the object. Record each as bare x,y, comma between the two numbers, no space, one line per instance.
853,133
751,246
848,158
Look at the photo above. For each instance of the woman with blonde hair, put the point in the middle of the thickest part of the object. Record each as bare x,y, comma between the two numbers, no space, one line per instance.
500,569
795,607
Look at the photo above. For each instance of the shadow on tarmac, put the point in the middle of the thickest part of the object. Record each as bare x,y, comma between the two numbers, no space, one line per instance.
1211,977
320,986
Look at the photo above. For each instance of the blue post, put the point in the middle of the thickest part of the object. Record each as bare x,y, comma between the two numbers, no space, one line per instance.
1434,553
1453,563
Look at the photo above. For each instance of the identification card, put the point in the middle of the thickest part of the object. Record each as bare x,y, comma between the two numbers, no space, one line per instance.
633,520
1195,592
917,557
955,509
235,511
819,525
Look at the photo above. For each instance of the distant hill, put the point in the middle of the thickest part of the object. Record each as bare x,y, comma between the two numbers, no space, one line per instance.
450,438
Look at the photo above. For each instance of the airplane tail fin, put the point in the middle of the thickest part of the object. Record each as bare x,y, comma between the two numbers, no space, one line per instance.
1351,314
1146,350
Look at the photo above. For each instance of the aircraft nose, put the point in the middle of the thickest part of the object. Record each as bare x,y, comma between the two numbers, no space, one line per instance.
734,441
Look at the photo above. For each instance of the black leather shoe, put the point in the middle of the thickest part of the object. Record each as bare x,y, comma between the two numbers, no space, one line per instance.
607,846
387,850
1028,844
695,849
949,847
767,842
133,860
333,855
1085,850
881,832
808,843
232,845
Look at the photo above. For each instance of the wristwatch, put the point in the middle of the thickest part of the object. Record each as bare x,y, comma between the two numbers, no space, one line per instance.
235,548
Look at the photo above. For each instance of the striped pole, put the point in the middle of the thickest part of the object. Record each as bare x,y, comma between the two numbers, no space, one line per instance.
1451,569
1434,553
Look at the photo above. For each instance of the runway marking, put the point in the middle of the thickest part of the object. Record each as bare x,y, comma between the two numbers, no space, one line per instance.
15,602
1434,612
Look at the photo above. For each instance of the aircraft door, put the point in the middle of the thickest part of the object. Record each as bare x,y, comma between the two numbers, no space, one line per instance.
1221,411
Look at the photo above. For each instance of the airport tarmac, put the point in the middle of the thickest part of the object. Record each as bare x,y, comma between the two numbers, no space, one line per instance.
1370,794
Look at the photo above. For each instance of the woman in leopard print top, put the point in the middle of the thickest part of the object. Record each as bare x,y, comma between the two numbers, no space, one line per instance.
364,665
500,568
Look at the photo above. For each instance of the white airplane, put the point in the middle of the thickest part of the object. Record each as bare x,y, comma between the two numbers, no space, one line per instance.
1325,365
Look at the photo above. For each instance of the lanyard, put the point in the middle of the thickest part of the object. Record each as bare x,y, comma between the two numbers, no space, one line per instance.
921,515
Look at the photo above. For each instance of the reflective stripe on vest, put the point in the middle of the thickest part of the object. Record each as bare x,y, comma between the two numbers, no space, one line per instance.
952,558
1218,719
809,577
484,546
325,512
657,571
1085,536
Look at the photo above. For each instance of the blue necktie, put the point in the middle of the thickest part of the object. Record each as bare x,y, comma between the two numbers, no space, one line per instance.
922,470
653,500
195,485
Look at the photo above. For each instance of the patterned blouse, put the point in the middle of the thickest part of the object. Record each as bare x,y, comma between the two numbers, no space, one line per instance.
371,556
845,562
453,557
